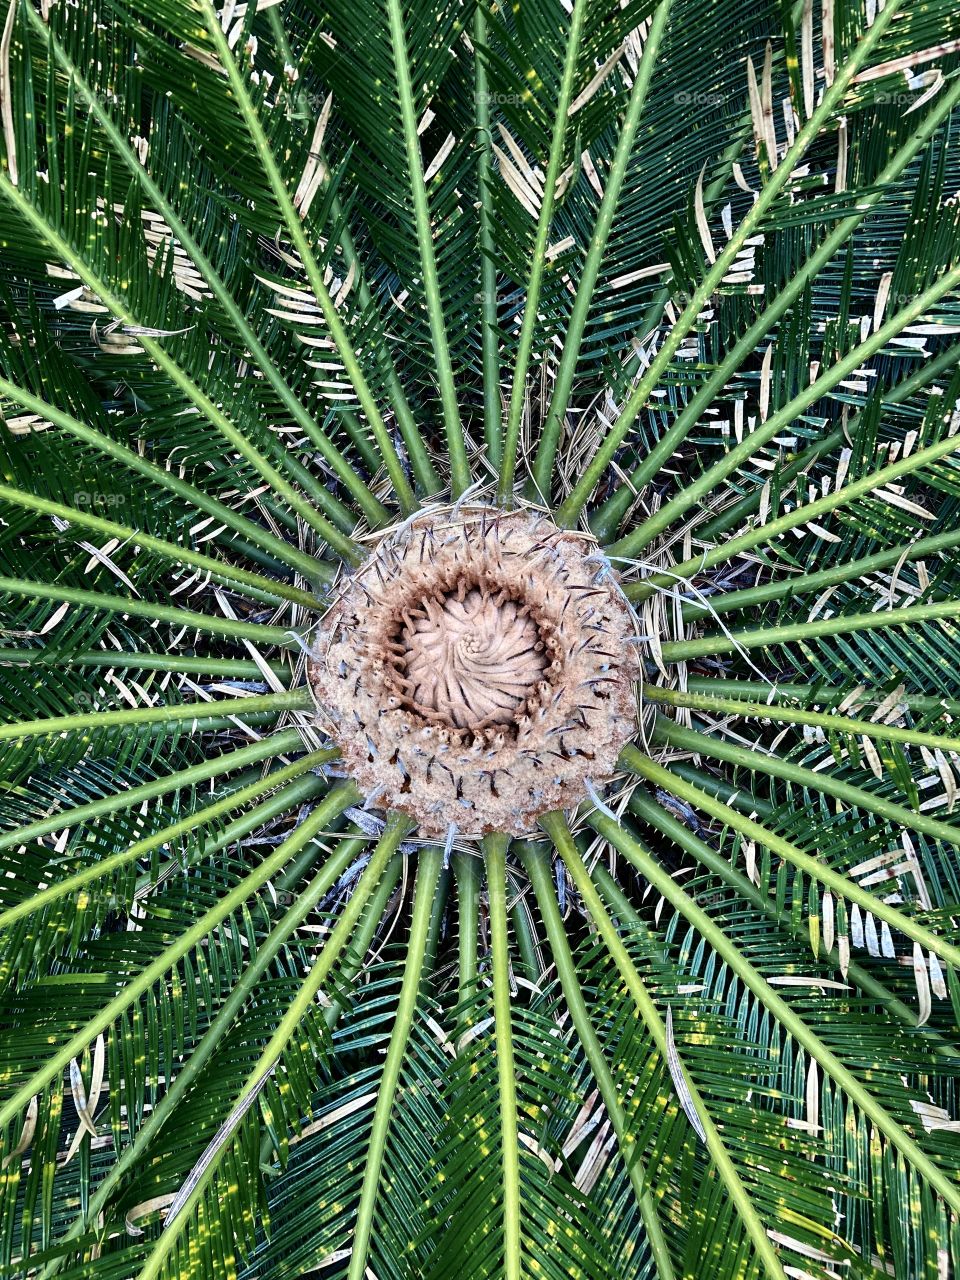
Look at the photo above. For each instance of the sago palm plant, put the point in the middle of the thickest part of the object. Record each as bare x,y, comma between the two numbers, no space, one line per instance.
480,510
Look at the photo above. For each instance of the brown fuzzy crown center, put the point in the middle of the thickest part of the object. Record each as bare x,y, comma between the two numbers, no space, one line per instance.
477,670
470,658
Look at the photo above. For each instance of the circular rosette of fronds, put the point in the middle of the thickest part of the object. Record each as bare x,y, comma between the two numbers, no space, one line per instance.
478,670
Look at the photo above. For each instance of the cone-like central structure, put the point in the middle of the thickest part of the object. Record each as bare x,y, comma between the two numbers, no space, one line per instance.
477,670
470,659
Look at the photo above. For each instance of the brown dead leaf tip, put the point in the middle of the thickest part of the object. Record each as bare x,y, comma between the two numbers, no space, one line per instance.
477,670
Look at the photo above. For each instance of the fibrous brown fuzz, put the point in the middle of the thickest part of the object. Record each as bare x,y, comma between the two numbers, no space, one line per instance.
477,670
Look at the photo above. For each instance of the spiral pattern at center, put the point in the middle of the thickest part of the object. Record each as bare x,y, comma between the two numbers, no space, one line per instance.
473,661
